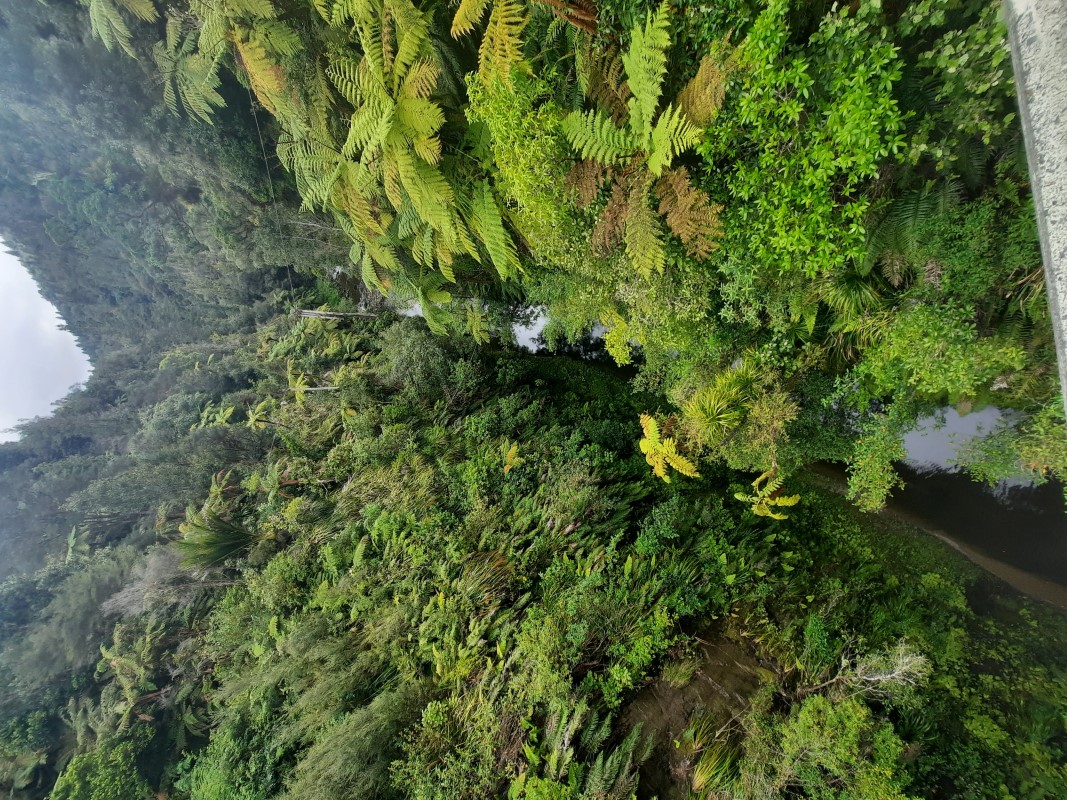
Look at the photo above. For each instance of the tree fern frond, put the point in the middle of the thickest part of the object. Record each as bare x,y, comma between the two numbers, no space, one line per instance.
595,136
108,25
144,10
610,226
677,461
689,213
602,77
421,79
264,75
372,277
703,96
650,431
420,120
172,36
644,241
586,178
412,32
468,15
489,226
278,37
672,134
501,48
343,73
253,9
646,65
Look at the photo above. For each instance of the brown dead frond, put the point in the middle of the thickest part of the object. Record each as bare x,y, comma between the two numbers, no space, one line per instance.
611,226
689,213
586,179
603,77
702,97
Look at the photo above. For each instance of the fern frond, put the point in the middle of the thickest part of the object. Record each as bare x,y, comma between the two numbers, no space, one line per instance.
501,48
264,75
586,178
144,10
468,15
412,32
672,134
372,274
690,215
703,96
278,37
489,225
610,228
646,65
595,136
108,25
644,241
343,73
677,461
601,76
421,80
419,121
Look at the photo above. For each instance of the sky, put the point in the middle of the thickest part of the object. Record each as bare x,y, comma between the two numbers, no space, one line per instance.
39,362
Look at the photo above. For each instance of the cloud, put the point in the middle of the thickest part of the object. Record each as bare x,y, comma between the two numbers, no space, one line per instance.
39,362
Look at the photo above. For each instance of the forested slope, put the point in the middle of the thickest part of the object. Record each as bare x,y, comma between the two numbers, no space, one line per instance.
352,555
803,220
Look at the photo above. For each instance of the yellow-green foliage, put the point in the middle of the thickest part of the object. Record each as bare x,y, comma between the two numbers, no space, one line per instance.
661,452
765,498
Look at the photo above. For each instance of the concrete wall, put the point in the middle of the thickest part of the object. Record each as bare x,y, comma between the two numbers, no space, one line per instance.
1038,32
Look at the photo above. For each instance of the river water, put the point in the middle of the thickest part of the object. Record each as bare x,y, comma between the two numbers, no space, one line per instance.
1015,530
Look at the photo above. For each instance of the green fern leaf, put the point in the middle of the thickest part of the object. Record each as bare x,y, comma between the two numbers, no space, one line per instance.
489,226
501,48
467,16
646,65
144,10
671,135
643,235
595,136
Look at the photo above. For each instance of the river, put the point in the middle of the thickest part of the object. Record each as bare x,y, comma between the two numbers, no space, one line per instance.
1016,531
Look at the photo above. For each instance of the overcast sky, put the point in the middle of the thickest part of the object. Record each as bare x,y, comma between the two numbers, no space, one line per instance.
39,363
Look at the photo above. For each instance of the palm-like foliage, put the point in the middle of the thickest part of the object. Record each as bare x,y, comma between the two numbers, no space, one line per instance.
109,24
211,539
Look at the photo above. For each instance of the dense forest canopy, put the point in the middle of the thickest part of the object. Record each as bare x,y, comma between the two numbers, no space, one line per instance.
286,543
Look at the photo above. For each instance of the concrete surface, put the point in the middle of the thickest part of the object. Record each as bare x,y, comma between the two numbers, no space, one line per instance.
1038,33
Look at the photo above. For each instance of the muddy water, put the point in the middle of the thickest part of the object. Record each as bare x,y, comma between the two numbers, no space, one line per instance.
726,676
